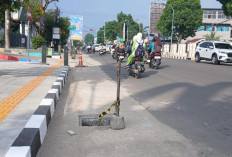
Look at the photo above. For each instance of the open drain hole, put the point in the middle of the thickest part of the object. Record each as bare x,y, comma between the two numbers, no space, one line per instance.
92,120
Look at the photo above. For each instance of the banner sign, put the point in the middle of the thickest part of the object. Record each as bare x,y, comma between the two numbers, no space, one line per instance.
76,27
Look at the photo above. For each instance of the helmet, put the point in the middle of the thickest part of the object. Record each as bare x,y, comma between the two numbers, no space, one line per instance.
145,41
139,37
135,38
154,39
120,40
115,41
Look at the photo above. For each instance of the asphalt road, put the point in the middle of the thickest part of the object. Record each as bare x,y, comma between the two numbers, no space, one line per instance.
192,98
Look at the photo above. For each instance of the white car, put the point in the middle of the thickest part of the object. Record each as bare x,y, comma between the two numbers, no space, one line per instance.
96,46
214,51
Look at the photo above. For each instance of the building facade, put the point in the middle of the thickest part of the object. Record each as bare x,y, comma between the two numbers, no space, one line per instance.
216,21
156,10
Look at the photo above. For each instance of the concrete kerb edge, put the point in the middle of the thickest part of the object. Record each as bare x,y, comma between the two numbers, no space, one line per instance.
30,139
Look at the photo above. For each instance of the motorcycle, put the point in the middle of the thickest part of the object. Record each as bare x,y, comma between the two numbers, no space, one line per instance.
155,60
113,53
89,50
102,51
146,56
137,67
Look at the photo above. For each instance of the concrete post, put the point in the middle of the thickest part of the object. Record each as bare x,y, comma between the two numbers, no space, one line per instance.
71,52
117,122
44,54
7,29
117,107
59,50
66,56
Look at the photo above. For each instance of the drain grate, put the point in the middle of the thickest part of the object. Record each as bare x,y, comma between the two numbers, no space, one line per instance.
92,120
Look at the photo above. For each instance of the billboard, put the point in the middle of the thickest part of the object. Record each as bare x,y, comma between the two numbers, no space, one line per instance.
76,27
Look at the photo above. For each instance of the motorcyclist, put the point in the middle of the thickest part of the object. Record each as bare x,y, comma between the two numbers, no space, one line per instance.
145,44
114,47
155,46
151,49
130,45
136,44
88,48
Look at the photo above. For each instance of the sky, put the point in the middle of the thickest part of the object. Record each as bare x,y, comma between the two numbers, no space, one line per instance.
95,12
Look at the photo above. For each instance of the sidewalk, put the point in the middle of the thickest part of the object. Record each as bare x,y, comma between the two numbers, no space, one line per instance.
14,76
90,91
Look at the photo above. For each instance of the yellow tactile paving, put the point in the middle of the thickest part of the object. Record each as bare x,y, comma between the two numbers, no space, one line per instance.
9,103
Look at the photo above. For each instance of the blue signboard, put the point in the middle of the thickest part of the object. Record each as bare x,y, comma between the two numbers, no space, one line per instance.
77,27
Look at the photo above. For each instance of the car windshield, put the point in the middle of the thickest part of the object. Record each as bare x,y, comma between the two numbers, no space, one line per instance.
223,46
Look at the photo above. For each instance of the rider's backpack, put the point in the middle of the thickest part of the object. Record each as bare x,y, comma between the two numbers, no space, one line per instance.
140,50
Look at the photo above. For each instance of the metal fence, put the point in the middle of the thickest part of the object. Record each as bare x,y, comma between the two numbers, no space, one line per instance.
2,37
18,40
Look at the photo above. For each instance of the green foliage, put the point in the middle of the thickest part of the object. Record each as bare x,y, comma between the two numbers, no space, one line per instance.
187,18
49,24
15,27
2,40
37,42
226,6
100,36
64,23
212,36
36,12
9,4
114,28
89,39
78,43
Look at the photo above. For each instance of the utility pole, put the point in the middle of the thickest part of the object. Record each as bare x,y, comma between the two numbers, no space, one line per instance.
127,29
7,29
124,32
56,20
104,31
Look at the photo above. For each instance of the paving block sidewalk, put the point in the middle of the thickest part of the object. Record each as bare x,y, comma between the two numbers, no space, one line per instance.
13,76
90,91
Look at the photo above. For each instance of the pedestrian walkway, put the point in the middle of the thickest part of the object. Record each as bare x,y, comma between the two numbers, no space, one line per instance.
22,87
90,91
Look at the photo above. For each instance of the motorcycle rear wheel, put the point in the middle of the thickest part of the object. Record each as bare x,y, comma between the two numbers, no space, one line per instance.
137,75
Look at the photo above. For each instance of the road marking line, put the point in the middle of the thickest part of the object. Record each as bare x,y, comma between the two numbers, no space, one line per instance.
9,103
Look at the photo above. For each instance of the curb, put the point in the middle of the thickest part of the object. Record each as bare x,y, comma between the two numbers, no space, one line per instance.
12,58
30,139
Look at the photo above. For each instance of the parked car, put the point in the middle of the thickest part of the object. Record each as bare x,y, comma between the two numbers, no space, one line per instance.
215,51
96,46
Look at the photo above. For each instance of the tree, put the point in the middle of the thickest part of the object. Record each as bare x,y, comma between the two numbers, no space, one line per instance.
11,5
226,6
37,42
64,23
89,39
6,6
100,36
212,36
49,24
114,28
37,10
77,43
188,17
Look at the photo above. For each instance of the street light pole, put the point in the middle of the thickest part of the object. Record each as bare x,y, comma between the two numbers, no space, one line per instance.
104,31
172,23
127,29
